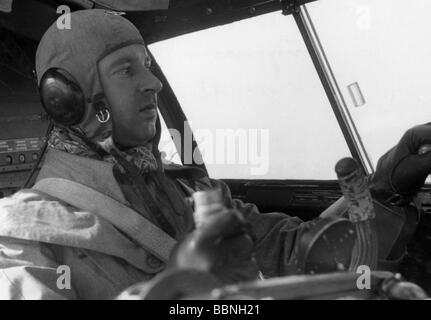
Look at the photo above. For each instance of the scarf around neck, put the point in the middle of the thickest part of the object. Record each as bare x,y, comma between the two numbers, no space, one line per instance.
65,140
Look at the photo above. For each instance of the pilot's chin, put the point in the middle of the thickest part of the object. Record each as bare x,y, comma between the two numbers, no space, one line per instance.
149,132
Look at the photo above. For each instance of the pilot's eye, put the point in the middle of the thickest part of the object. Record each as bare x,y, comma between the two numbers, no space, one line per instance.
127,70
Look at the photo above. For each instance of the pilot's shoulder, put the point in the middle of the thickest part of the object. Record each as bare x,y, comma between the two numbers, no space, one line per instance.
25,197
31,205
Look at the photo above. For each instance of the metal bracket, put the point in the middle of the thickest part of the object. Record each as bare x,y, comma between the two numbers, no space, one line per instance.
289,6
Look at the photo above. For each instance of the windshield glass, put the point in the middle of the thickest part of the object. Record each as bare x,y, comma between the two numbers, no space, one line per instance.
384,47
254,100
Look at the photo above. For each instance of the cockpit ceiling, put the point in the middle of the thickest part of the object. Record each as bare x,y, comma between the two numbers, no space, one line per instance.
22,27
31,18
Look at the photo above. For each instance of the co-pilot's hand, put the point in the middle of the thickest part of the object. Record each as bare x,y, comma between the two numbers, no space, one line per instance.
404,169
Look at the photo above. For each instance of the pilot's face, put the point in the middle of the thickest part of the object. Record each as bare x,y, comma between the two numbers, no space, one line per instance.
131,91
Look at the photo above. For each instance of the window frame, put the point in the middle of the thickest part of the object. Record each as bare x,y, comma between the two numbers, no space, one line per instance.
175,118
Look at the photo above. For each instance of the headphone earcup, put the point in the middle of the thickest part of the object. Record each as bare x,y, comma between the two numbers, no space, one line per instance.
62,97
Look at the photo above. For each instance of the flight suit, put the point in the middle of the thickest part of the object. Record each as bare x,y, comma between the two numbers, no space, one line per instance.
38,234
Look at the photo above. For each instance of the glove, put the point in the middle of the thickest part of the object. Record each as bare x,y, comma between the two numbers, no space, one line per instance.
222,245
402,171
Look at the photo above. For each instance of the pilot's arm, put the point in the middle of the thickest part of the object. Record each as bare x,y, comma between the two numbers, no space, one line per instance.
275,235
401,172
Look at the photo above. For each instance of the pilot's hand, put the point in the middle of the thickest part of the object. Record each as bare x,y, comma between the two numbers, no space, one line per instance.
403,170
221,245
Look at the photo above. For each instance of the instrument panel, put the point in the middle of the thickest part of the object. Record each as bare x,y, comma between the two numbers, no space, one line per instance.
23,128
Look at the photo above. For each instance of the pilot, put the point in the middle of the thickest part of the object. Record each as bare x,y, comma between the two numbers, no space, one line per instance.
96,83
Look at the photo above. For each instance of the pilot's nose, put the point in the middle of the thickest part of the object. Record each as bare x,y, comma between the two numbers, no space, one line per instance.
151,83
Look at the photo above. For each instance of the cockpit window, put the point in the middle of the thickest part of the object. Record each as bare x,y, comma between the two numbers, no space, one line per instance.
383,48
254,100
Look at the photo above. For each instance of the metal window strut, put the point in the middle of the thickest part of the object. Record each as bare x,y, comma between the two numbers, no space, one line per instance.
330,85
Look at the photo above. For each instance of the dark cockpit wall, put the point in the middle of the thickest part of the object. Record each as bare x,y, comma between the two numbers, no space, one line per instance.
23,123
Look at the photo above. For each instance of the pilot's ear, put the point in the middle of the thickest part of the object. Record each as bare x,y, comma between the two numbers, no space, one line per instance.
62,97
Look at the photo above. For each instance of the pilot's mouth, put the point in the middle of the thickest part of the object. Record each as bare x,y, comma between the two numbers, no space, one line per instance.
148,107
